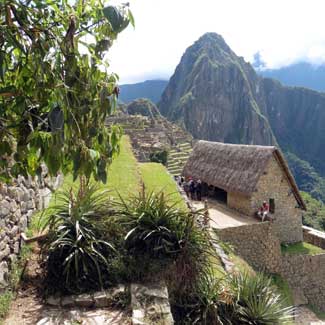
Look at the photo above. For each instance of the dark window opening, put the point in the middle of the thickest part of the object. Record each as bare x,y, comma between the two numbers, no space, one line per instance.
272,205
214,192
220,195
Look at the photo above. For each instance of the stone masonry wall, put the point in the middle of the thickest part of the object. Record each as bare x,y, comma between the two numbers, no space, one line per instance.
256,244
18,202
306,277
314,236
288,217
239,202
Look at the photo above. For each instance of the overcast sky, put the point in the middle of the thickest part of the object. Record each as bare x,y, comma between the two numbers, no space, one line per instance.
283,31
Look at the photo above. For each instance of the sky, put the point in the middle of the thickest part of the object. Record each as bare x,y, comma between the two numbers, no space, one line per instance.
283,31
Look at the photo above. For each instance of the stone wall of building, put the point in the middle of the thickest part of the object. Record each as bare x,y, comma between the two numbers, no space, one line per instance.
239,202
306,277
18,202
255,243
273,184
314,236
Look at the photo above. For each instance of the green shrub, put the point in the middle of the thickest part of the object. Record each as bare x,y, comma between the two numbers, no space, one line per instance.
238,298
5,300
159,157
154,226
257,300
156,233
77,253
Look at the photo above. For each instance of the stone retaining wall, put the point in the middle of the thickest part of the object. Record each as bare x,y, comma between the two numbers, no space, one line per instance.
256,244
305,274
306,277
314,236
18,202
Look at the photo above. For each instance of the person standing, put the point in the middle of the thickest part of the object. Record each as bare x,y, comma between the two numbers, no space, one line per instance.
186,188
199,190
192,189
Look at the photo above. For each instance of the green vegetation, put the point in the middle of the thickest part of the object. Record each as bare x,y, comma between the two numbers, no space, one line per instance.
77,253
284,288
15,276
156,229
124,178
158,236
307,177
319,314
301,248
315,215
123,174
156,179
5,300
233,300
58,116
159,157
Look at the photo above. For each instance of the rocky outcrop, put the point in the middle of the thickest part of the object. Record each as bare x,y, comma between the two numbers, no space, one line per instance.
217,96
213,94
18,202
144,107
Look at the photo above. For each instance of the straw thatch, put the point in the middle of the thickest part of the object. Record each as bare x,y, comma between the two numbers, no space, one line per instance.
233,167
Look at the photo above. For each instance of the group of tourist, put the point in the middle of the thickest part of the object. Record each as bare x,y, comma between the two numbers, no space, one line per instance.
192,187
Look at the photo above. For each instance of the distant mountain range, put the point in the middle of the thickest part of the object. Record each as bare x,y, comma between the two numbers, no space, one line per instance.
301,74
218,96
151,89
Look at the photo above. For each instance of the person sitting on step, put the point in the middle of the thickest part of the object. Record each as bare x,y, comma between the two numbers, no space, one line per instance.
263,211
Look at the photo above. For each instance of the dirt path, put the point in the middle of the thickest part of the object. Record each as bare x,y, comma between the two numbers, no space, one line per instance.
28,307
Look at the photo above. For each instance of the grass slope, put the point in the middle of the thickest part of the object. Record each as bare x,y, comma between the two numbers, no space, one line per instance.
123,174
123,178
156,178
302,249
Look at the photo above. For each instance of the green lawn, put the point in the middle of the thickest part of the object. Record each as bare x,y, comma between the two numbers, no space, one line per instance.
123,178
156,178
123,174
301,248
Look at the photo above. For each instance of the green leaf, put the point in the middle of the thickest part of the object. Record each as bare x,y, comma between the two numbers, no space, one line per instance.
115,18
56,119
32,161
5,148
131,18
94,155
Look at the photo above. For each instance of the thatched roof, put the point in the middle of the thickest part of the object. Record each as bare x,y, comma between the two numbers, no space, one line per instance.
233,167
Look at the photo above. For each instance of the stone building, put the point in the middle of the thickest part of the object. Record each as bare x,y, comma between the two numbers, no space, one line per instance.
243,176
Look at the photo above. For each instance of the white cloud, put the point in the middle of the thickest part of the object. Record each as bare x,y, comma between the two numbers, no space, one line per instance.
284,31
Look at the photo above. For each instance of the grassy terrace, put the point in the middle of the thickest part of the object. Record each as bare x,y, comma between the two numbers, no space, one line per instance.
123,174
123,178
301,249
156,178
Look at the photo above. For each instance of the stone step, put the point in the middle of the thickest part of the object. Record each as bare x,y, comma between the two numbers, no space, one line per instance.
179,155
176,171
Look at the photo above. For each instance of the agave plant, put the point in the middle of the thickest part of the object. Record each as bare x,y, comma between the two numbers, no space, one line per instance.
76,250
257,300
154,226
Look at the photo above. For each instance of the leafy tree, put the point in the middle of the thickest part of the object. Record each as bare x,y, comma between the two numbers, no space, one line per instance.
55,92
315,215
159,157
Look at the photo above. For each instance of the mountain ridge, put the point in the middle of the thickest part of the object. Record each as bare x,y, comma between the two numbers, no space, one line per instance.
150,89
217,96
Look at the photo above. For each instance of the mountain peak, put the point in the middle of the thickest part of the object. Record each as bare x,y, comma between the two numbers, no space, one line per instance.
215,40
